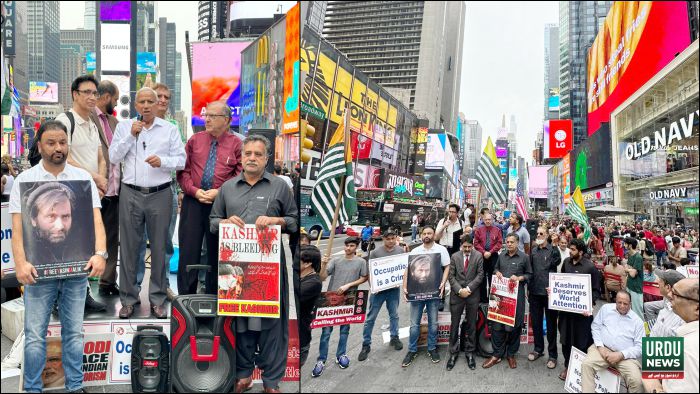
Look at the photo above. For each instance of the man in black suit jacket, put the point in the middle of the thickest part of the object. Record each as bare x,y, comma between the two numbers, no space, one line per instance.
466,276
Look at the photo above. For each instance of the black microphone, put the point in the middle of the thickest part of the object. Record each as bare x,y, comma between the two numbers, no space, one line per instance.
144,145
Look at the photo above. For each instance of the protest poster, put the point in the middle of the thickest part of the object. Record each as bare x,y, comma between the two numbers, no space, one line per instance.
249,271
503,300
120,353
387,272
527,335
692,271
333,309
8,262
292,373
424,277
570,293
606,380
444,325
96,361
58,228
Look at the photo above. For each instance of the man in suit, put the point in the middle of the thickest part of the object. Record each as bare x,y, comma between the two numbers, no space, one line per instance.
466,277
488,241
106,123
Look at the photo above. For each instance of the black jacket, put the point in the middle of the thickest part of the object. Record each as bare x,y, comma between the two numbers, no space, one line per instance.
543,260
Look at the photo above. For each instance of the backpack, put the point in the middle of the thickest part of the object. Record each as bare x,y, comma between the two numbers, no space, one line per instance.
34,156
649,248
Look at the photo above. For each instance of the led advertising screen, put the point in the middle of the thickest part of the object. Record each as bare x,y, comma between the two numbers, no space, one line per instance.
145,62
545,134
501,148
115,47
561,138
115,11
90,61
43,92
591,161
537,181
212,82
435,152
637,40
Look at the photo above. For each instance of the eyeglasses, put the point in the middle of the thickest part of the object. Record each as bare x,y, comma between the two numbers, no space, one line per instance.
675,294
89,93
213,116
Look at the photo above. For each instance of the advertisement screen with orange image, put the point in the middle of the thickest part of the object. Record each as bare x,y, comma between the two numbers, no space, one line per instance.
216,76
637,40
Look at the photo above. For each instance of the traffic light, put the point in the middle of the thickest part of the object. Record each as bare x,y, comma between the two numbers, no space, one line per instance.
306,134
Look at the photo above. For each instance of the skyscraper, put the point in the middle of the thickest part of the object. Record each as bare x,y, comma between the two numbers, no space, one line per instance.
579,22
90,18
167,58
177,88
316,14
472,149
43,41
145,27
74,45
411,48
551,71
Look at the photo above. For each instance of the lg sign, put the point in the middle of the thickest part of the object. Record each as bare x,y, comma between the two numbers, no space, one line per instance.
560,138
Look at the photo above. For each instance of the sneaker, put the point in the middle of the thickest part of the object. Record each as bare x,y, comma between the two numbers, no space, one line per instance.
396,343
363,353
92,305
410,356
343,361
318,368
170,294
434,355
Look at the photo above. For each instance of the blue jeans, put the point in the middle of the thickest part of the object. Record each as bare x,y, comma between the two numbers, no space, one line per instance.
169,248
391,297
414,232
326,336
660,257
39,299
416,314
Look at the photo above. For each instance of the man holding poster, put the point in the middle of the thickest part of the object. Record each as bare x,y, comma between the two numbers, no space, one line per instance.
257,197
514,265
39,296
390,296
431,305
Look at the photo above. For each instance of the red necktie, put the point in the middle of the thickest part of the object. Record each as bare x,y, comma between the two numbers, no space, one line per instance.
466,263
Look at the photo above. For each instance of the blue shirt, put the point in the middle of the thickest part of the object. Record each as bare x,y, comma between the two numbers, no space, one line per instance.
367,233
619,333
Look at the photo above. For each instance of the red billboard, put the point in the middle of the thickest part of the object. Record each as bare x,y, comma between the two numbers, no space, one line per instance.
636,41
360,146
561,138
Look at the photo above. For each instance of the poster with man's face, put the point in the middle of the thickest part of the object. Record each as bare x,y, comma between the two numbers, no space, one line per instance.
57,227
424,275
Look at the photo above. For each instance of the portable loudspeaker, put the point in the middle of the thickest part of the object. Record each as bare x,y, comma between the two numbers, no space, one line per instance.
203,346
150,360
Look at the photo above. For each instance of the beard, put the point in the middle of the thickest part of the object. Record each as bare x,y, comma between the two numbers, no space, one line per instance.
109,109
56,158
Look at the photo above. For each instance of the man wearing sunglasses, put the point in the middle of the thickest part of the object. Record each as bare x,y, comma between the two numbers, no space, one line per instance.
684,301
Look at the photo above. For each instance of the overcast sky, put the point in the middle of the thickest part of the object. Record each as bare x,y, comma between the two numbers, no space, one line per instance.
503,67
503,59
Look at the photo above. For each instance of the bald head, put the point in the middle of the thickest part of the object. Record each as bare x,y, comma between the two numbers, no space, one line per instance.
146,91
685,298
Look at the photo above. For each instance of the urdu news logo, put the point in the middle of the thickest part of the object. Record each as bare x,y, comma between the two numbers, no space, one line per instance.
662,358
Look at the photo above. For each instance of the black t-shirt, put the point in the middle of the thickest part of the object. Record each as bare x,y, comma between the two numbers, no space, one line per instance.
310,290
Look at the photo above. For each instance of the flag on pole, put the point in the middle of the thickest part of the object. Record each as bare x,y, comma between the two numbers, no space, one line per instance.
336,163
487,173
520,201
577,210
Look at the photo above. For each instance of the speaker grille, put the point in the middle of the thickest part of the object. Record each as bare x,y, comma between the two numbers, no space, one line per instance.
203,376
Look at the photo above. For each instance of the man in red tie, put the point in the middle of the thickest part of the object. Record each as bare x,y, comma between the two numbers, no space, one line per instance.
466,277
488,240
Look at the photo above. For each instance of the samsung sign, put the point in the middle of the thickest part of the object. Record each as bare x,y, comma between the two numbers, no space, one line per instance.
677,131
115,48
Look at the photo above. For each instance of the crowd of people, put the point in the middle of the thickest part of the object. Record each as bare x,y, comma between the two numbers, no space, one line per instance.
138,171
619,258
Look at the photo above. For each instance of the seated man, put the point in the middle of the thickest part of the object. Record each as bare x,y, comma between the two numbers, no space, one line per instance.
617,342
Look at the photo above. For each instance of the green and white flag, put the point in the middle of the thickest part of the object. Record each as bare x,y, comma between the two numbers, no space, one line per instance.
335,164
577,210
488,174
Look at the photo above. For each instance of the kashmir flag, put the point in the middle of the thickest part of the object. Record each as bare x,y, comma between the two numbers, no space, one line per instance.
577,210
335,164
487,173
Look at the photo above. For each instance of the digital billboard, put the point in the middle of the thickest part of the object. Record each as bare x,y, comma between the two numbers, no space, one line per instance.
560,138
43,92
435,152
115,11
591,161
537,181
501,148
90,61
115,47
637,39
211,82
145,62
565,181
290,115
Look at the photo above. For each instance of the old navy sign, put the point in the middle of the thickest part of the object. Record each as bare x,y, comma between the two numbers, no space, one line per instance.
663,137
669,194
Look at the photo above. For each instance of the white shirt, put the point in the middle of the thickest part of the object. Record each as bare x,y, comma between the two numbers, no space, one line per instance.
161,139
287,180
38,174
666,323
564,255
689,383
436,248
619,333
8,185
414,221
467,213
84,142
449,229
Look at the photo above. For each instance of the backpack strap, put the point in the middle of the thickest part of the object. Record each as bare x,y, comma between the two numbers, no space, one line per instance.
71,118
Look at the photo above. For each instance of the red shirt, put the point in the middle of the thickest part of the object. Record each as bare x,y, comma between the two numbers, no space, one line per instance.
659,243
228,161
